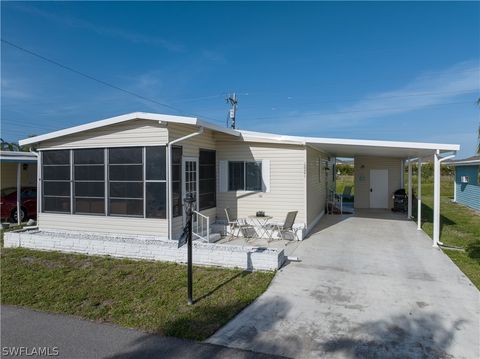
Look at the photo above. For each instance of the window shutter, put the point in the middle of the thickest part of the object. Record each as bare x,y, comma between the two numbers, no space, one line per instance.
265,175
223,174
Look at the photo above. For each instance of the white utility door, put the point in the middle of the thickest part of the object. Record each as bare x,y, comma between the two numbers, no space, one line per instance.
378,188
190,179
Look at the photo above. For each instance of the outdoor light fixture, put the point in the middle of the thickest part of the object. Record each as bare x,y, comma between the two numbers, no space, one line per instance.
188,202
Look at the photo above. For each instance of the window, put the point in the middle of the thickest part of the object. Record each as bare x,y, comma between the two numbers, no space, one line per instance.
56,181
207,178
176,181
244,176
155,182
89,181
125,174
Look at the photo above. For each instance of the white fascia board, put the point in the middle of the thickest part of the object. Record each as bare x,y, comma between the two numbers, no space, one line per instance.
388,144
248,135
213,127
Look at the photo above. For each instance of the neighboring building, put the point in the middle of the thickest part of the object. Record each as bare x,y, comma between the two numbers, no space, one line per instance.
467,182
129,174
9,161
18,173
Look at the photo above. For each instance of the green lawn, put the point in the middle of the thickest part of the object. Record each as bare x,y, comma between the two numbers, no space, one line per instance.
343,181
459,226
150,296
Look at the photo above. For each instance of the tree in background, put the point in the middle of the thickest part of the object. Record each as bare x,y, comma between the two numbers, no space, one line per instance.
12,146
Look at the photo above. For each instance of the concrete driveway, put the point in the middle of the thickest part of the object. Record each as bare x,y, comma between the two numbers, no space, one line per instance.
368,285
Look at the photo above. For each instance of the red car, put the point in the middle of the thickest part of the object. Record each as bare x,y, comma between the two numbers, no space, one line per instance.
8,204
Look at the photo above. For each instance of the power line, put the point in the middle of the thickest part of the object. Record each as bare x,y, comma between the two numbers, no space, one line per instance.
68,68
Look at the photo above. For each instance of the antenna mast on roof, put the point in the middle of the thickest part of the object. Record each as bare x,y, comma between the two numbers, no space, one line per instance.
232,100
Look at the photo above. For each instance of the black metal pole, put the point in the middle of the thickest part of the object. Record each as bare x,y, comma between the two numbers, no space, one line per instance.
189,266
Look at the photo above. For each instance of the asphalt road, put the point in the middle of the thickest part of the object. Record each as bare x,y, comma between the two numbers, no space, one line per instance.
73,338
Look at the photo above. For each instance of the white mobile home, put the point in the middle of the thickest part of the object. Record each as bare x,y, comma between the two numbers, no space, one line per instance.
127,175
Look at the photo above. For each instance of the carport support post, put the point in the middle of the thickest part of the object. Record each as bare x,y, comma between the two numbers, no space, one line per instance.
19,189
409,188
436,198
419,194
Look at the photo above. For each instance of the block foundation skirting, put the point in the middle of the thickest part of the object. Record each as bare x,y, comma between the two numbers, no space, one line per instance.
208,254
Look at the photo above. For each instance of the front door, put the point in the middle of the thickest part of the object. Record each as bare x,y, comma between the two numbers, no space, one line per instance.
190,178
378,188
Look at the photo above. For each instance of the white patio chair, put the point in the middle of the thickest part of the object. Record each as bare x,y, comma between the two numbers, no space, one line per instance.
239,224
287,226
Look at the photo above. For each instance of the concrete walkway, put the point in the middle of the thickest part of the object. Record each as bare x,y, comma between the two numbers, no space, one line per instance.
73,338
368,285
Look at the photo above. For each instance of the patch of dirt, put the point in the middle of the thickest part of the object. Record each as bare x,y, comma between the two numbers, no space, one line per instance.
43,262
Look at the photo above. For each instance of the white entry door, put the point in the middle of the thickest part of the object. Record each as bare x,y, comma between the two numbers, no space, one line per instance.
378,188
190,178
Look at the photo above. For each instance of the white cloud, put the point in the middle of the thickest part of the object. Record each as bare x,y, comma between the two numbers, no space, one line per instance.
14,90
428,89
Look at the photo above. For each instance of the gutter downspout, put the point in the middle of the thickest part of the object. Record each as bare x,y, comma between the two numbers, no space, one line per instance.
169,182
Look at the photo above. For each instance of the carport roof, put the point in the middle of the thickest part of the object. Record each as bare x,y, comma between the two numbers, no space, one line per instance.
17,157
341,147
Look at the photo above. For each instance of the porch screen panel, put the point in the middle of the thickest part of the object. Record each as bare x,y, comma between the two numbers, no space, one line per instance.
207,178
125,176
89,181
177,181
155,182
56,181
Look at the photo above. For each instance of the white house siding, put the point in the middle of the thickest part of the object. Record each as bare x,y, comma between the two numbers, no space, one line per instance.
191,148
317,182
103,224
287,180
363,165
132,133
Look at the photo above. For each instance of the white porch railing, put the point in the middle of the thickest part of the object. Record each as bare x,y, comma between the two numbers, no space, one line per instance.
201,226
335,200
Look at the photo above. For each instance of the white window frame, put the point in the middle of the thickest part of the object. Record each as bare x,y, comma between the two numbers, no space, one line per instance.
244,176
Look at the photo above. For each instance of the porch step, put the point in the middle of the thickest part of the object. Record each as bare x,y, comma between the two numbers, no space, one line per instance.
214,237
220,228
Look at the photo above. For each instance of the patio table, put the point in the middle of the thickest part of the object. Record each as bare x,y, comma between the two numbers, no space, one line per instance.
261,222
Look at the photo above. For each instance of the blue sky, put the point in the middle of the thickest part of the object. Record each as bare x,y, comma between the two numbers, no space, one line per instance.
394,71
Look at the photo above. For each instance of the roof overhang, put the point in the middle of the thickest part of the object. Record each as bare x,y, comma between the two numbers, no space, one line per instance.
465,163
341,147
337,147
17,157
129,117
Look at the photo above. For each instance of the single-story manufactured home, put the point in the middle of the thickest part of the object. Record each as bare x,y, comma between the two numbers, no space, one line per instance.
127,175
467,182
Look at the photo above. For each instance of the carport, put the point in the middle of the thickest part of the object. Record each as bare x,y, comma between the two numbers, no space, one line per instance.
381,164
19,158
379,155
